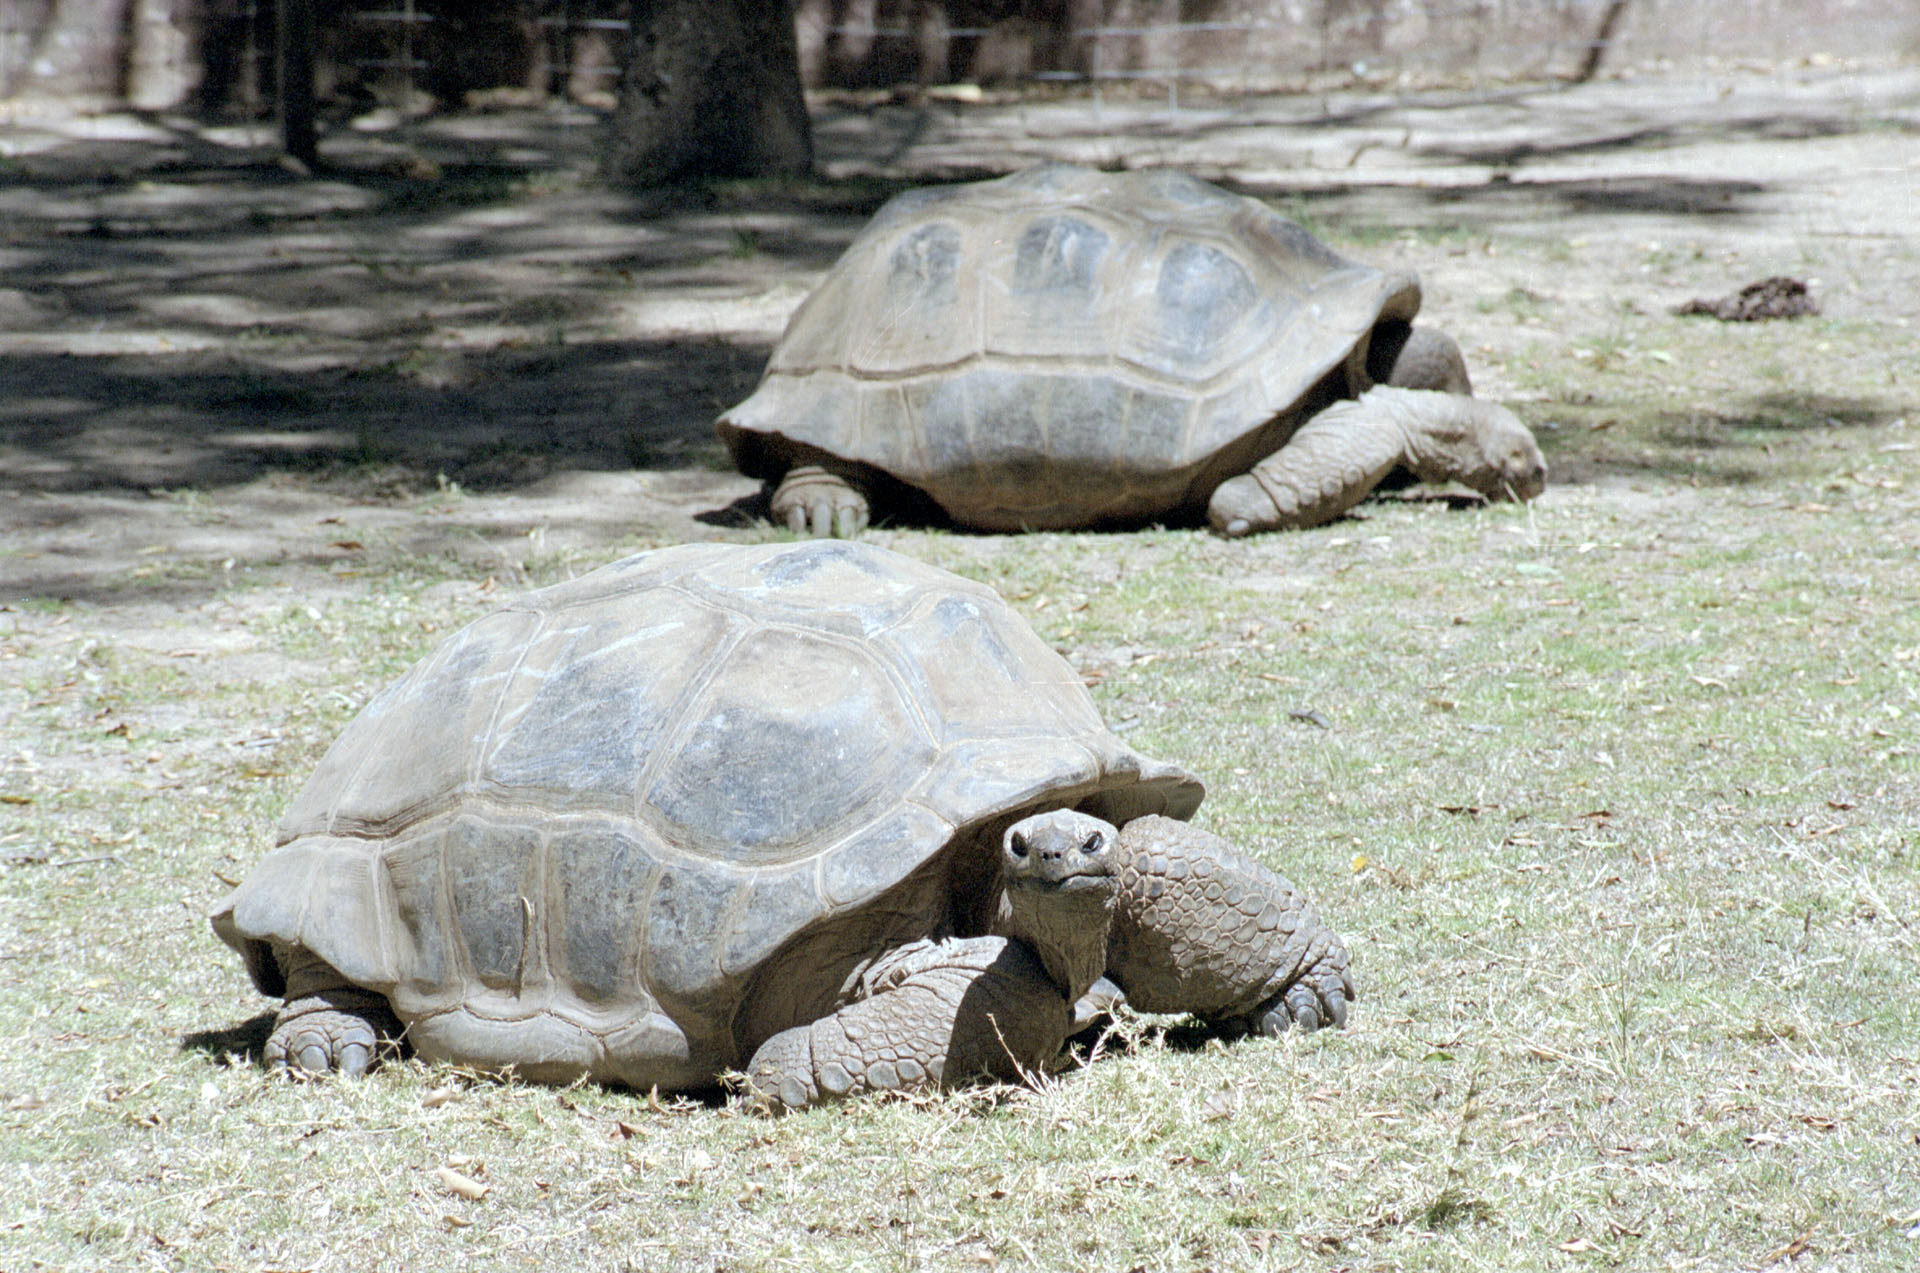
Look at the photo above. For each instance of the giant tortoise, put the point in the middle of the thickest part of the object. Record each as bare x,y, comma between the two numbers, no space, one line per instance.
814,810
1068,348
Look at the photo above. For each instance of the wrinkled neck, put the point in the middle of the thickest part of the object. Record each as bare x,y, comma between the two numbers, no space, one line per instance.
1067,931
1427,426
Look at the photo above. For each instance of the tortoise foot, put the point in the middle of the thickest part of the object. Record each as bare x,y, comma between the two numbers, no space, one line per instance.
1101,1002
812,500
1308,1004
336,1032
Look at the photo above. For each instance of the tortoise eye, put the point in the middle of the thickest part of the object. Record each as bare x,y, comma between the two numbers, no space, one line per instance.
1095,843
1017,845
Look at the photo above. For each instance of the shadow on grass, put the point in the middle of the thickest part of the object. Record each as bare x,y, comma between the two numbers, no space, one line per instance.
247,1040
1106,1035
1751,443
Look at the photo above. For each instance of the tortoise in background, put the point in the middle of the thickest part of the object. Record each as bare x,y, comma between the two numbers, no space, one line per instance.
1066,348
815,810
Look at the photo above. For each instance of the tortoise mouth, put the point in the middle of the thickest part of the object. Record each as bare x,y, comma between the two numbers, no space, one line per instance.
1071,884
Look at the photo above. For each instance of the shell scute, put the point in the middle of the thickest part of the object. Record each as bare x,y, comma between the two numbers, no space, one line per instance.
430,716
493,876
599,875
795,739
1201,320
426,969
595,693
686,915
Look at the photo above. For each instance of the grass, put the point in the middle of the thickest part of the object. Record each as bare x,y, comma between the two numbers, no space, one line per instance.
1617,808
1616,797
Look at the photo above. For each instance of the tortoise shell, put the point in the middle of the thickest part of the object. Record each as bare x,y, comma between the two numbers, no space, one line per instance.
1065,347
630,825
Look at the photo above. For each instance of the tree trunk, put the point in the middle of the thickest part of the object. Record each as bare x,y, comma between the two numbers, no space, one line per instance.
711,88
165,41
1601,42
296,83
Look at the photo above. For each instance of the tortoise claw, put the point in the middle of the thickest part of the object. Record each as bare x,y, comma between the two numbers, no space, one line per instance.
849,521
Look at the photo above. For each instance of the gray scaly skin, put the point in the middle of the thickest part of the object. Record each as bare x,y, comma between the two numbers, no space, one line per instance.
1177,917
1430,359
1336,459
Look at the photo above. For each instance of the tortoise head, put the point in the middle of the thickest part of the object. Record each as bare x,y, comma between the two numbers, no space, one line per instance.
1060,892
1476,443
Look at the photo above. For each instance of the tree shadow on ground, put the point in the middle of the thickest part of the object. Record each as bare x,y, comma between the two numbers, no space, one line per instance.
486,419
319,307
1732,446
1786,126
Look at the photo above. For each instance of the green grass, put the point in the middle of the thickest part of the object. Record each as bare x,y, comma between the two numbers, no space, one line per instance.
1617,801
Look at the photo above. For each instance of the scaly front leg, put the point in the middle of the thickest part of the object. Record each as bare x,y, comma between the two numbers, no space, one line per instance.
943,1013
1331,463
1200,927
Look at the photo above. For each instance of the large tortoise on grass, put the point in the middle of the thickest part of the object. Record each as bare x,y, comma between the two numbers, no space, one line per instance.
815,810
1068,348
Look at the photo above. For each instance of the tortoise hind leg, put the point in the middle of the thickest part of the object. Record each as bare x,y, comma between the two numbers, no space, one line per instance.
328,1025
813,499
